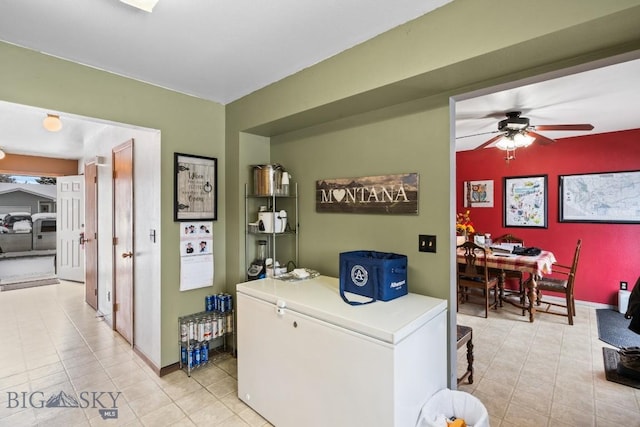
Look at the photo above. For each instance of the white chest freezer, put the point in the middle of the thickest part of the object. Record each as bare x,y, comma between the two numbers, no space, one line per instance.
306,358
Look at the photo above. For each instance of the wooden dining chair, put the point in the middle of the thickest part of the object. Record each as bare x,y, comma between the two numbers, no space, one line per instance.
508,238
474,274
465,336
511,274
561,280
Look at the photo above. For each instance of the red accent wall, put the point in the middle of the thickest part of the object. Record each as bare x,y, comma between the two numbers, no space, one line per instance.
610,252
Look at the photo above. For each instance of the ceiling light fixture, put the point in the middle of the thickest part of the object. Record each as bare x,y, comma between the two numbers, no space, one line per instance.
52,123
146,5
512,140
2,154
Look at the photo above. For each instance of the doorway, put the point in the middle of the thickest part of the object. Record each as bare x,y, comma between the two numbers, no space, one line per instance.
536,95
91,140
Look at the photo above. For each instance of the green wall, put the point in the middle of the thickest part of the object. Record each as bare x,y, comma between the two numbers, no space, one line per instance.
383,107
386,99
386,146
412,68
187,124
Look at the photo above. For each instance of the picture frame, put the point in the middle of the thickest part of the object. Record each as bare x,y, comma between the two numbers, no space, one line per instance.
195,188
525,201
600,197
395,194
478,194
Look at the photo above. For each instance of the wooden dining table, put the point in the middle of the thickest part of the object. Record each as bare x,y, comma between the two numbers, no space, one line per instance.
536,266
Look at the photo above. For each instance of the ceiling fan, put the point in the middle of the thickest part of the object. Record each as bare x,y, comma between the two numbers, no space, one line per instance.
516,131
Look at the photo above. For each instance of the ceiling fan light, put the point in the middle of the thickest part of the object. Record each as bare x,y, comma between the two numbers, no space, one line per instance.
146,5
506,143
52,123
522,140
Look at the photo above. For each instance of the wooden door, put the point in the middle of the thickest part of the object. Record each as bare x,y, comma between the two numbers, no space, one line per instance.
70,223
90,241
123,250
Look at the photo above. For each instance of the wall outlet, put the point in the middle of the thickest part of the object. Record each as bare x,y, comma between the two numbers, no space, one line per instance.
426,243
624,286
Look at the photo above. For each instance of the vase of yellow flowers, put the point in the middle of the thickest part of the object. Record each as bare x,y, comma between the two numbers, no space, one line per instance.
464,226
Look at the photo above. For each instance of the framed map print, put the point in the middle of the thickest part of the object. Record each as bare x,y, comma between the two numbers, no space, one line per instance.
525,201
600,197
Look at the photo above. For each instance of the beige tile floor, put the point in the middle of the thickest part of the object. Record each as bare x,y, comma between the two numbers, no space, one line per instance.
544,373
51,342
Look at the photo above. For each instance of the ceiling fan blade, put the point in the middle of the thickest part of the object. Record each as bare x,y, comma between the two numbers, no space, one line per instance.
489,142
541,138
583,126
477,134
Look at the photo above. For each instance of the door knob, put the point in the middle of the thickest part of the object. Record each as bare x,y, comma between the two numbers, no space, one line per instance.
127,254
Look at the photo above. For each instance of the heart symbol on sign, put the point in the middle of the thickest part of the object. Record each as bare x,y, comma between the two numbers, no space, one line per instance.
339,194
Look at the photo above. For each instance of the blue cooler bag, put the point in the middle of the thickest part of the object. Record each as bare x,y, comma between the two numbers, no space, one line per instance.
377,275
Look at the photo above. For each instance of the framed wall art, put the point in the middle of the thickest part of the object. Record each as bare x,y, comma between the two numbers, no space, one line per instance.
379,194
195,187
525,201
612,197
478,194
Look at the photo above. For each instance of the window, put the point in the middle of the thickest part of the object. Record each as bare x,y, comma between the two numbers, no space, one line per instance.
48,226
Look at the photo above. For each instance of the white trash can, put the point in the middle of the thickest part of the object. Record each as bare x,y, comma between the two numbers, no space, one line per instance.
623,300
448,403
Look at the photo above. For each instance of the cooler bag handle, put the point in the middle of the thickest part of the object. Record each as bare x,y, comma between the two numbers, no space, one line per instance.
375,286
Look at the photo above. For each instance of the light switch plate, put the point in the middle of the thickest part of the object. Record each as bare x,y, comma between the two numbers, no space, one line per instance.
426,243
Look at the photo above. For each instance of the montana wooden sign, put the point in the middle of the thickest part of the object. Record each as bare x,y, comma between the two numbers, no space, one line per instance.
385,194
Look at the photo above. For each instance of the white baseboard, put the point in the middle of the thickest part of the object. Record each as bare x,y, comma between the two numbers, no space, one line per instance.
595,305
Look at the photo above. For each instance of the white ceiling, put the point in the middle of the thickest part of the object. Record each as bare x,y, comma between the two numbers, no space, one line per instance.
224,49
607,97
218,50
21,132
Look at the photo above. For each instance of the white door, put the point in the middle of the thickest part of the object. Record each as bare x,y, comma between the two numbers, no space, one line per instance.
70,223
